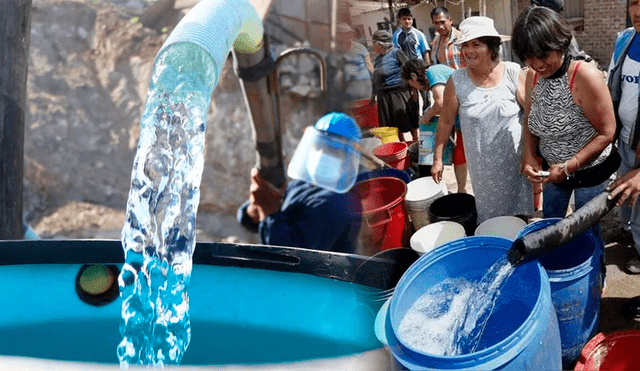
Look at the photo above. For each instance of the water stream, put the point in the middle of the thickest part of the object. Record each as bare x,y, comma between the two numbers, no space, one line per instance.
159,234
449,319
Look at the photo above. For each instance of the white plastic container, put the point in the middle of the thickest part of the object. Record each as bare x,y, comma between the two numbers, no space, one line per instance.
436,234
420,195
501,226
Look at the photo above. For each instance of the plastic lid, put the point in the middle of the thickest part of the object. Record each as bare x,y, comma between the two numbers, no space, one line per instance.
340,124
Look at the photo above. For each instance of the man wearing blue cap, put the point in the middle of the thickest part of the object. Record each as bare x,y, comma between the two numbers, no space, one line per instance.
316,211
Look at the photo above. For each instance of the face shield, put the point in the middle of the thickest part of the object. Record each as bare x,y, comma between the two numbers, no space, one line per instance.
326,160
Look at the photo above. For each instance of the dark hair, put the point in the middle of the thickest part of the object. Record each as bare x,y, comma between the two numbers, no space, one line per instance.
555,5
493,43
417,66
538,31
404,12
440,10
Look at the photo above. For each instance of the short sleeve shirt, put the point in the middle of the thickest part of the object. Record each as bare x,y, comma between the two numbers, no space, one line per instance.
414,43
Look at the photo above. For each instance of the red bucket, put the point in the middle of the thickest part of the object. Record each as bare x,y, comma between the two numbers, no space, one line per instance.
394,154
617,351
364,112
385,221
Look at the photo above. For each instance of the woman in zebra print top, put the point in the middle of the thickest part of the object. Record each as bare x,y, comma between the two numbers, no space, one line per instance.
569,118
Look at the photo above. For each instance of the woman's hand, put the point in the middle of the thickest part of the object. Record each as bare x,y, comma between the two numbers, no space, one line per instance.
436,171
556,174
531,169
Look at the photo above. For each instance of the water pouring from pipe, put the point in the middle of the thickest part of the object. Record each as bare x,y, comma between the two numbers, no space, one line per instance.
159,232
545,240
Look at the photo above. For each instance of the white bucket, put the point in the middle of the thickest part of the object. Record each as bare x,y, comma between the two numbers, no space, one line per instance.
420,195
501,226
433,235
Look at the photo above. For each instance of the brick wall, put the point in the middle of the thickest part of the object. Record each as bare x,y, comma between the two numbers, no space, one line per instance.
603,19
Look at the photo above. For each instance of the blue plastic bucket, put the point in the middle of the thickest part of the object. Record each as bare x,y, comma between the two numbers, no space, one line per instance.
575,275
522,332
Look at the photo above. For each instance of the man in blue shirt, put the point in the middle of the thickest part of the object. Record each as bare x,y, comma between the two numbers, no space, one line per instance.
316,211
409,39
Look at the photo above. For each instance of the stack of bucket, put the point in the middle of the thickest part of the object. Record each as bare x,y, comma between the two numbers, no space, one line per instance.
456,207
387,134
394,154
385,223
421,193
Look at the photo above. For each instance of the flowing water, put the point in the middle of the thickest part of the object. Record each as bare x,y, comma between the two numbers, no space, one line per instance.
160,229
449,319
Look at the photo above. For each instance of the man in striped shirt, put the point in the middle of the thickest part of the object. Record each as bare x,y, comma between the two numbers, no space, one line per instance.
443,49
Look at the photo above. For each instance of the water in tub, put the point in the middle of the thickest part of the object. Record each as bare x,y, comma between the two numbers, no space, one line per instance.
160,229
449,318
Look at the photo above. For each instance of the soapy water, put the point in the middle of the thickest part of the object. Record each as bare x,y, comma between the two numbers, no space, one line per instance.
449,319
159,234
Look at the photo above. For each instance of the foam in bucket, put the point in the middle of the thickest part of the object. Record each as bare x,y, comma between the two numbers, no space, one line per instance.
501,226
433,235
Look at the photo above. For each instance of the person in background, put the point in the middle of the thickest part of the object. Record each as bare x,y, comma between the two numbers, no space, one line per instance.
628,187
558,6
415,44
410,40
486,95
396,107
569,119
624,74
317,211
434,78
349,68
444,50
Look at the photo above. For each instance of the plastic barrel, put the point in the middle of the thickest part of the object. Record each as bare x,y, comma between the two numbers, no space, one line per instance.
456,207
617,351
394,154
575,275
385,223
522,332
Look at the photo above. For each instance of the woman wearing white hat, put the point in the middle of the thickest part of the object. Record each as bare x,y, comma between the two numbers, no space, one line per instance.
487,94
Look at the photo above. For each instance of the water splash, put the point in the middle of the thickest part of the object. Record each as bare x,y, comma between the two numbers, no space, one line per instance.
159,232
450,318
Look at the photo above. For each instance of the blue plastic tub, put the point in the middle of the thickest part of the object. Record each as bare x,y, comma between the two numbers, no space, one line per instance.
249,304
575,274
396,173
522,332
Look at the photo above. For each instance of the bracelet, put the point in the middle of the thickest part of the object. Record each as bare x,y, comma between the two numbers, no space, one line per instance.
563,166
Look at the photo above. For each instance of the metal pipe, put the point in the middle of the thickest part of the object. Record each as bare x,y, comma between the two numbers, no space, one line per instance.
261,103
14,57
276,78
